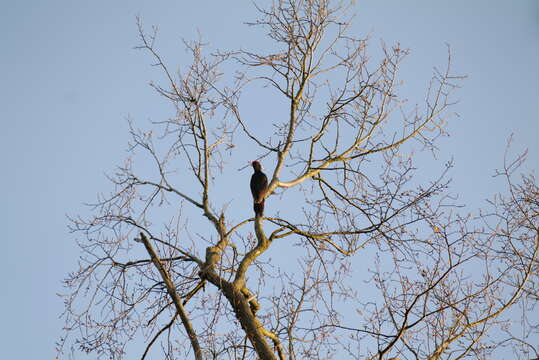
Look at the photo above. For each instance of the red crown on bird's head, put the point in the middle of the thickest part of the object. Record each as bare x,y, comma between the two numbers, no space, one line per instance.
256,165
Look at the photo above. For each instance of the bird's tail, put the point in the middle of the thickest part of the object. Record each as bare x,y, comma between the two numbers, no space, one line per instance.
259,208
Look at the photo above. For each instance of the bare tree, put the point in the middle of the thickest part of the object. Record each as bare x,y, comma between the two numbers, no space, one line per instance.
381,265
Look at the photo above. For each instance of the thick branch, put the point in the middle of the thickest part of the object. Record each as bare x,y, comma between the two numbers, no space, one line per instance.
261,246
252,326
175,297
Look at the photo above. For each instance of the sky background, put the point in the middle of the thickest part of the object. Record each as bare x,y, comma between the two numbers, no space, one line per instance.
70,77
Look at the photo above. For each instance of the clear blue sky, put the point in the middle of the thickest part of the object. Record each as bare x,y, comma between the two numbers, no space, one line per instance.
70,76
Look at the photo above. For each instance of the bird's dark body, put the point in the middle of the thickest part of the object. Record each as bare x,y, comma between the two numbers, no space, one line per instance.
259,186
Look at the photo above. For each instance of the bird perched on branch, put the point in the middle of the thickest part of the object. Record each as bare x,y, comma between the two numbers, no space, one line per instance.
259,187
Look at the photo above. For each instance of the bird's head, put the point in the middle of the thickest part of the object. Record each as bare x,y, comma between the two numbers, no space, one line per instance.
256,165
